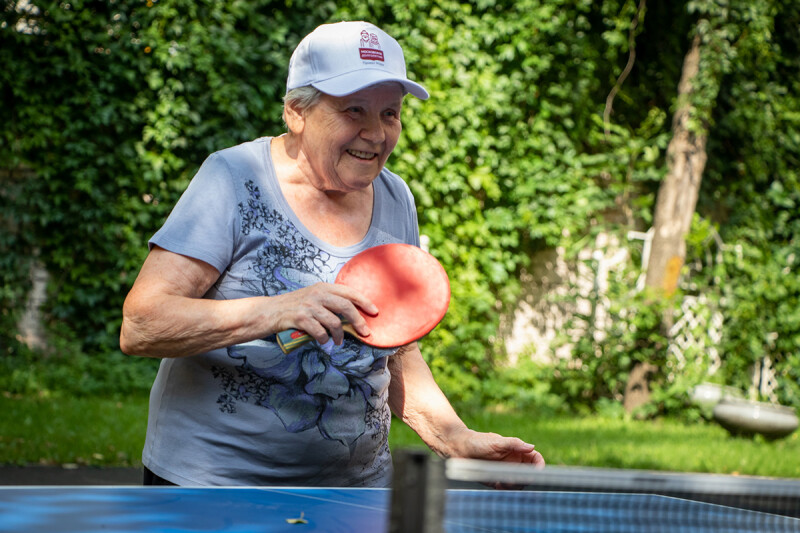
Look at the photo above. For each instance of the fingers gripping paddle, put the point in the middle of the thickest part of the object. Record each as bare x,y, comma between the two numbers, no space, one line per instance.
407,284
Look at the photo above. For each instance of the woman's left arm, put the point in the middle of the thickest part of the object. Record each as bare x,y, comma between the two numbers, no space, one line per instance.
418,401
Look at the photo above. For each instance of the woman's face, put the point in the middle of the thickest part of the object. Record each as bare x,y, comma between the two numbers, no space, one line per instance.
346,140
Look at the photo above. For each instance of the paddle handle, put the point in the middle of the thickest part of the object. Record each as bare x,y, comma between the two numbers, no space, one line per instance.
291,339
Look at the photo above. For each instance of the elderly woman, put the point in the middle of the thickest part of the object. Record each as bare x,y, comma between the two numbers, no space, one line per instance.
252,248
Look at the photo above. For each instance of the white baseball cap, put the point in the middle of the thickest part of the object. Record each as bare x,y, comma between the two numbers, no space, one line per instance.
345,57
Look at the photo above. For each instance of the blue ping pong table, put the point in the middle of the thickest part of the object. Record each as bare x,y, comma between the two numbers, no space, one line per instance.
301,510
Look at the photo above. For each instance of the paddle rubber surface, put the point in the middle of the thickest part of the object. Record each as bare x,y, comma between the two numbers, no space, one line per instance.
407,284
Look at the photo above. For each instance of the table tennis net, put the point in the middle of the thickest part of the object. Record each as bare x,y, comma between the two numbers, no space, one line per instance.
434,496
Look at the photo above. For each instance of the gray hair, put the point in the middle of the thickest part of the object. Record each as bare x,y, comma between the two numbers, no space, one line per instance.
306,97
302,98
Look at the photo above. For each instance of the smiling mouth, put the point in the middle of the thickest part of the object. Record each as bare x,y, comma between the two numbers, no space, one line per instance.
366,156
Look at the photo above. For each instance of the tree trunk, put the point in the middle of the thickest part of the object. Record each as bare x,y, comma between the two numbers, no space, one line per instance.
637,390
677,199
677,196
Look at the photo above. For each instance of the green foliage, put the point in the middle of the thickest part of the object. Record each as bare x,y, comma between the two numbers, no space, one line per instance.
624,327
110,107
752,191
508,155
756,298
743,246
524,386
762,307
67,369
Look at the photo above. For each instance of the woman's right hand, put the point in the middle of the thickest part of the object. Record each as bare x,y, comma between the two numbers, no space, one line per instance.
321,309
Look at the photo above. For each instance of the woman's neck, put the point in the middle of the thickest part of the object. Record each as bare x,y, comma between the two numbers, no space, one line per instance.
338,218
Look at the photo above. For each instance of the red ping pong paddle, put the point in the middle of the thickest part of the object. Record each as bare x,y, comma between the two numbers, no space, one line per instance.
407,284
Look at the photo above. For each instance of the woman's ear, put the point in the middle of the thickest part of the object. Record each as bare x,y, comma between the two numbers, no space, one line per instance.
294,118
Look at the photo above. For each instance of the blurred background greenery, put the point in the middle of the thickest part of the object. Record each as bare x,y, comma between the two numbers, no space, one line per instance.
547,127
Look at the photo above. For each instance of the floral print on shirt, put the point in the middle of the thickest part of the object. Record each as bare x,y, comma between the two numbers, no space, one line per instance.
339,390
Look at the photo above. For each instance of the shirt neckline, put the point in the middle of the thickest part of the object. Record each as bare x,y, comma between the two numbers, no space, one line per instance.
341,251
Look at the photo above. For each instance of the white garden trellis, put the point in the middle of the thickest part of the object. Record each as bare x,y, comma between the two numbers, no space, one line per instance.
698,329
544,312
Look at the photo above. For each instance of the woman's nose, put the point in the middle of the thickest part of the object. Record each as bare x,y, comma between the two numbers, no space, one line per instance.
372,129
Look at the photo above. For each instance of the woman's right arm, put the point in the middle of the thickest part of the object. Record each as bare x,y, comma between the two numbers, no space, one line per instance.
165,314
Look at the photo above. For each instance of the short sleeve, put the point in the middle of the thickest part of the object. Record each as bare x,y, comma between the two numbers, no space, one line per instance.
413,221
398,212
202,224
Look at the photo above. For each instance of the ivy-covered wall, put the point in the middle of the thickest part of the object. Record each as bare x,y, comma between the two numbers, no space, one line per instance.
113,105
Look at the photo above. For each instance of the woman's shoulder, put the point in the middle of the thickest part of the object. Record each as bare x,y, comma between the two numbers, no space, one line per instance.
246,158
247,149
394,184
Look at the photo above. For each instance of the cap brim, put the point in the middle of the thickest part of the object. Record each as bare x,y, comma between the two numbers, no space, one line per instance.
361,79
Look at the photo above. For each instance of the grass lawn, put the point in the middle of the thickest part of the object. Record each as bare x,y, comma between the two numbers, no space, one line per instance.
651,445
61,430
110,432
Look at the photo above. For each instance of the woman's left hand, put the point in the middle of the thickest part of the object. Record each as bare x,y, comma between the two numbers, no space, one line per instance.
493,447
471,444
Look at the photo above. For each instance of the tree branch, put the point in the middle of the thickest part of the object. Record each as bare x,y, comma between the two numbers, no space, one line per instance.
628,67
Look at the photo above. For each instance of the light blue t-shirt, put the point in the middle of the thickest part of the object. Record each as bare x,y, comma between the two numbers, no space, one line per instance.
248,414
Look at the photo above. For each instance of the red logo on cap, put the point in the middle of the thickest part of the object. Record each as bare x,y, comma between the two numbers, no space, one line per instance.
370,48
